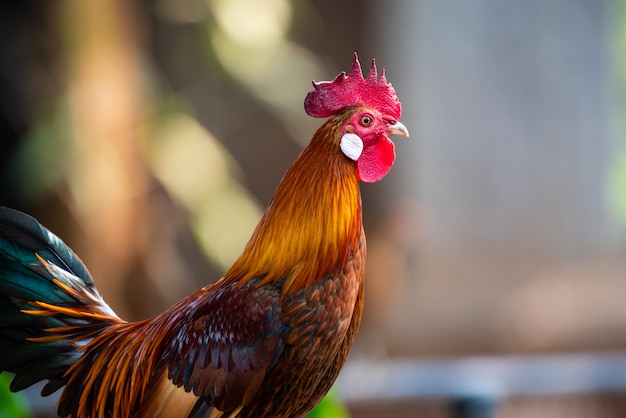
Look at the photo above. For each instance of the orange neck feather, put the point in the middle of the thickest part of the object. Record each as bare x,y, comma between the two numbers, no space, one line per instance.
313,223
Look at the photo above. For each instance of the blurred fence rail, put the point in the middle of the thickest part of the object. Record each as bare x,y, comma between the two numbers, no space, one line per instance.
559,385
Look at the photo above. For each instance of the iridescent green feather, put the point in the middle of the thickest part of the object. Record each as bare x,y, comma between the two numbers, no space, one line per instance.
22,279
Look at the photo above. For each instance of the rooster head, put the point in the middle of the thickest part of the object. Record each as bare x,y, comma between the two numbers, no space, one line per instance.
375,113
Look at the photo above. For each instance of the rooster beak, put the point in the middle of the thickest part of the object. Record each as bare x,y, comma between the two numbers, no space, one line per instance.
397,129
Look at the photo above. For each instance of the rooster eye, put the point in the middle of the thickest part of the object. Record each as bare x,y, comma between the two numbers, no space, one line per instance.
365,120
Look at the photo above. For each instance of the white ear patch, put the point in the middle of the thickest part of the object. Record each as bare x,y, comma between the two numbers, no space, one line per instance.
352,146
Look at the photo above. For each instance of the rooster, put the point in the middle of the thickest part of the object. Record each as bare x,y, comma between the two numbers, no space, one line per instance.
268,339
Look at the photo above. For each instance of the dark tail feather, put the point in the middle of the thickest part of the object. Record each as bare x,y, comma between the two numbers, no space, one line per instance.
49,305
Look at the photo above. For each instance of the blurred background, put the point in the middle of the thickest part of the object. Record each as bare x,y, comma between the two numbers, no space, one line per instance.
150,135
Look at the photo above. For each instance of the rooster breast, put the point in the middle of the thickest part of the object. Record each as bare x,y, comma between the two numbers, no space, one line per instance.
321,322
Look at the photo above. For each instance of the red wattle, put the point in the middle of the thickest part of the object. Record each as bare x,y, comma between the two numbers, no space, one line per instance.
376,160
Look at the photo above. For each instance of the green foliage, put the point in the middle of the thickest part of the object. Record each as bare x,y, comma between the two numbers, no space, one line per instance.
330,407
43,157
11,404
618,186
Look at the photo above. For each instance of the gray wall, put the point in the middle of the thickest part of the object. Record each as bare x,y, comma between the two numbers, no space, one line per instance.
510,105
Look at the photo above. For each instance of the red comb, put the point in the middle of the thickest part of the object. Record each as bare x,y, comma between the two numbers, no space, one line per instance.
329,97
